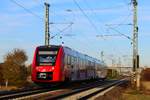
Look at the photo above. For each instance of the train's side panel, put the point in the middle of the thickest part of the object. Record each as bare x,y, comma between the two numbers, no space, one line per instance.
82,67
69,66
61,64
58,73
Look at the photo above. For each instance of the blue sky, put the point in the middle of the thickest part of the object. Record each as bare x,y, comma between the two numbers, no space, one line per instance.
20,29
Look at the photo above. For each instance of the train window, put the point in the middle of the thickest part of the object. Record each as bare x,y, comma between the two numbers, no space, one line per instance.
86,62
83,63
92,64
75,59
65,60
68,59
47,57
72,60
79,62
89,63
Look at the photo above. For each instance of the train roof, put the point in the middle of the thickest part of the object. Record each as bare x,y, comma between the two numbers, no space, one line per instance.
54,46
72,52
82,55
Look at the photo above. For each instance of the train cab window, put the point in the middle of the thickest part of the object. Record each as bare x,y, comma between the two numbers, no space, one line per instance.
47,58
75,60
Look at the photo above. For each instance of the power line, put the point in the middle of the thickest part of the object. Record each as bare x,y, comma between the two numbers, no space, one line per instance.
90,21
126,18
105,8
37,1
60,31
71,11
37,16
120,33
117,25
87,44
91,9
27,10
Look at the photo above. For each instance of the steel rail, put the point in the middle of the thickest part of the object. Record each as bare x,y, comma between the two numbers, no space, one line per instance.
103,89
20,94
104,85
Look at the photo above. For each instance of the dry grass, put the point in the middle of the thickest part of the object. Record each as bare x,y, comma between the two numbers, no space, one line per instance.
131,94
114,94
8,88
145,85
125,92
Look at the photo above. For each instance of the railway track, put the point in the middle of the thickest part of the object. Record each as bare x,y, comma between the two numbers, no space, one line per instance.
68,92
30,91
99,91
87,92
24,92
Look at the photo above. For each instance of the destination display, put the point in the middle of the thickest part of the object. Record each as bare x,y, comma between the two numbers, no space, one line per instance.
47,57
47,52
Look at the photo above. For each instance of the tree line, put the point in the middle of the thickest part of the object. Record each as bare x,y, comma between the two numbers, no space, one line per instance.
13,70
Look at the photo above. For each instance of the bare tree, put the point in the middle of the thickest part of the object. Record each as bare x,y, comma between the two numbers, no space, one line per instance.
14,70
1,75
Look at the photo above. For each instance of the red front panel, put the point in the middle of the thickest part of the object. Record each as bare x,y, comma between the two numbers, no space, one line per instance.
56,72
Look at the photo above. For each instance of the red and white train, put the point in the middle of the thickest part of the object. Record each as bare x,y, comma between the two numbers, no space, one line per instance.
59,63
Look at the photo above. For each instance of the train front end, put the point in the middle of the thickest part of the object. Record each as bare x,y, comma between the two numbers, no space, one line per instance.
46,65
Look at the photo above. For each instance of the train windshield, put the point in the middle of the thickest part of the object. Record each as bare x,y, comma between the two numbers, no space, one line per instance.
47,57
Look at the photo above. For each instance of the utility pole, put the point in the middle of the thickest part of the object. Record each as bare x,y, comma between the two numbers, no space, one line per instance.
135,46
102,56
119,64
47,35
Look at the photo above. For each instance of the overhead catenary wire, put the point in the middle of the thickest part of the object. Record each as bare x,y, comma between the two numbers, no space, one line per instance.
60,31
81,42
123,22
120,33
37,16
85,38
116,25
90,21
27,10
37,1
105,8
92,10
87,44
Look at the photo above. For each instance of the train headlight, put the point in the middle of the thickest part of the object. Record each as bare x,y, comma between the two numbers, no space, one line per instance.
52,68
37,68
